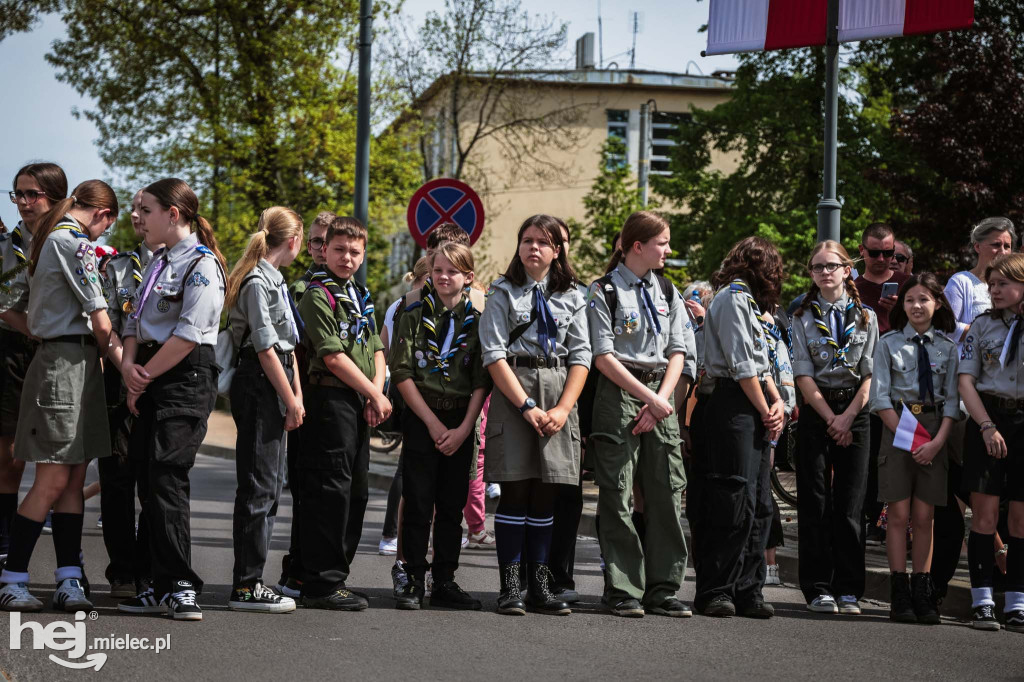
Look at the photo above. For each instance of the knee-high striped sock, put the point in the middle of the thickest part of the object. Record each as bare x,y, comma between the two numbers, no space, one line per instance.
538,538
509,529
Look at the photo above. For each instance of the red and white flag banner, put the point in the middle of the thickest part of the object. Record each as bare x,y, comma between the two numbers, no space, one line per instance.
754,25
910,435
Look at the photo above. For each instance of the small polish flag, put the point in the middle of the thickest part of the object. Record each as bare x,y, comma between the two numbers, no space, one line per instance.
910,435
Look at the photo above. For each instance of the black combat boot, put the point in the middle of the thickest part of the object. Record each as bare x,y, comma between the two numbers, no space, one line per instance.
923,599
901,608
510,601
540,597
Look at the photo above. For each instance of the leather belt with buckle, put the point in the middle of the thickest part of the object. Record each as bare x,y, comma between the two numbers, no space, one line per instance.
249,353
442,403
1004,405
922,408
536,362
836,395
646,376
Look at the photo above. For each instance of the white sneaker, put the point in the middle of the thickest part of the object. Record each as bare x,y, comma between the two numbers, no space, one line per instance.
493,490
70,597
848,605
259,598
181,605
773,575
824,603
428,584
465,542
399,579
16,597
388,547
482,540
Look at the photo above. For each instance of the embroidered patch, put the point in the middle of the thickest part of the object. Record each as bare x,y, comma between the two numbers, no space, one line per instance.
490,291
163,305
593,303
823,355
466,360
80,254
92,278
89,267
617,330
418,354
421,364
970,338
79,271
343,333
83,281
197,279
122,292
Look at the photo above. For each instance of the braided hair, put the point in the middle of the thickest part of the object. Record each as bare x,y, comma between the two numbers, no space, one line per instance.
848,284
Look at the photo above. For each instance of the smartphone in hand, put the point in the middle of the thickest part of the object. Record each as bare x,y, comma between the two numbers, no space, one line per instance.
890,289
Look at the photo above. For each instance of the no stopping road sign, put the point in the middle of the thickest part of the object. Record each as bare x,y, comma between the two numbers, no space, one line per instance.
445,201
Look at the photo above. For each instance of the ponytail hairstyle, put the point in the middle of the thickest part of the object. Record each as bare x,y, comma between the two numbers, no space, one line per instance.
174,192
640,227
942,319
89,194
277,225
851,289
757,262
561,276
49,176
420,270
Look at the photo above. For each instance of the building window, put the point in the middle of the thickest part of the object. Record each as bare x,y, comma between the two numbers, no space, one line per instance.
664,127
618,125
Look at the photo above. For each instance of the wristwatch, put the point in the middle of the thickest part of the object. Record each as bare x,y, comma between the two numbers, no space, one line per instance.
528,405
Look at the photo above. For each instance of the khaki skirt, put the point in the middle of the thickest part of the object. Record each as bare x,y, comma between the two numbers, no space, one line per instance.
63,415
514,451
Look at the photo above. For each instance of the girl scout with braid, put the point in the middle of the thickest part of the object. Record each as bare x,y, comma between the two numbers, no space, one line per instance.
834,339
63,420
37,187
170,371
743,415
992,388
537,350
438,371
127,548
345,397
266,398
640,351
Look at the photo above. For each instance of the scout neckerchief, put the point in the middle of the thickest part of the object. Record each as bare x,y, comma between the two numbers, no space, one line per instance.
136,258
771,332
652,314
547,328
359,312
442,355
925,385
1012,341
161,263
848,324
18,245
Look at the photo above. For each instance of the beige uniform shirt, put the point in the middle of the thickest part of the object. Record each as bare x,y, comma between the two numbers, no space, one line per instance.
15,247
813,356
983,348
264,310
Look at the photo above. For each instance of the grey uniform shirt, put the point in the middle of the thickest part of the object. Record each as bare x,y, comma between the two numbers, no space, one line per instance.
66,286
263,309
17,298
509,306
119,284
812,355
734,340
983,346
630,337
895,375
188,309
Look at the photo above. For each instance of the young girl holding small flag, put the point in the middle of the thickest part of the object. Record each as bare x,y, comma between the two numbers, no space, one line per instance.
833,338
992,388
914,393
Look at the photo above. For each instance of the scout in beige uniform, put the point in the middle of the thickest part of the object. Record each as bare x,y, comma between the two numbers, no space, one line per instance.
534,338
915,368
170,371
37,187
437,369
265,329
639,350
834,339
992,388
63,422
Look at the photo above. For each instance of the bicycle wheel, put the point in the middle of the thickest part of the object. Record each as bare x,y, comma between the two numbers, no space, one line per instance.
784,486
384,442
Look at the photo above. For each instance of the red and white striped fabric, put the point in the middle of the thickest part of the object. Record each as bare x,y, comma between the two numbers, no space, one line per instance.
752,25
910,435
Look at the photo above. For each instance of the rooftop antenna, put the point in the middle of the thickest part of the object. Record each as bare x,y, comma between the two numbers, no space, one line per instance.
600,38
637,20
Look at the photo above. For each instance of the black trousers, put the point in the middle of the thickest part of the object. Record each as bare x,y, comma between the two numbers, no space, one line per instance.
433,485
394,497
173,414
872,506
259,468
333,486
696,469
562,554
734,508
830,484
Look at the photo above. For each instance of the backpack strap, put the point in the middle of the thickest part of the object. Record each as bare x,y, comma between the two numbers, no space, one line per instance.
610,298
394,326
330,297
666,287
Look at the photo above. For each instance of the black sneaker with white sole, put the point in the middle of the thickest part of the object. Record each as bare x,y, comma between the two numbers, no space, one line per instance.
1015,620
259,598
181,605
144,602
342,599
984,618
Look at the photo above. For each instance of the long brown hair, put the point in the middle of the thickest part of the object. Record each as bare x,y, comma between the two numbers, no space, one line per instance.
942,319
561,276
756,261
277,225
640,227
1010,266
50,177
849,285
91,194
174,192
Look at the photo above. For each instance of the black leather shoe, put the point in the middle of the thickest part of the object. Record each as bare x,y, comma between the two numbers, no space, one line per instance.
626,608
720,607
566,595
339,600
449,595
757,608
671,607
410,598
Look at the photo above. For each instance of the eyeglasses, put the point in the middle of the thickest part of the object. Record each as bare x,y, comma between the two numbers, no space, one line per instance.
819,268
875,253
316,243
29,196
900,258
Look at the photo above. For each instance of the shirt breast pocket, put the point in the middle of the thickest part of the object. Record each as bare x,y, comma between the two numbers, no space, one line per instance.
857,342
819,351
627,320
990,350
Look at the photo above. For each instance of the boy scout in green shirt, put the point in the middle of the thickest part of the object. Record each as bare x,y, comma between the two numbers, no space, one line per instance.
345,399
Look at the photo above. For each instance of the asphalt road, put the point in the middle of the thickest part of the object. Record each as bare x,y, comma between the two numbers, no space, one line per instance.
383,643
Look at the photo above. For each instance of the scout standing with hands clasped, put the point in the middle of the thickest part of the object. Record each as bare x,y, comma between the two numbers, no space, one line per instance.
537,351
345,397
992,388
63,422
266,399
639,350
439,373
915,369
170,370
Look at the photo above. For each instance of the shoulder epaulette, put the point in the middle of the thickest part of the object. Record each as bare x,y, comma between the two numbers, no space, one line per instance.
735,288
413,306
202,249
890,333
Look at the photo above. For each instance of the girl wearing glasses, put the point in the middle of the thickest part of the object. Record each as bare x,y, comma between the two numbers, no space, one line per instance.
37,187
833,337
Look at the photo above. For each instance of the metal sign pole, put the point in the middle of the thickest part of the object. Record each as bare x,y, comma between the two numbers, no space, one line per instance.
361,201
829,206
